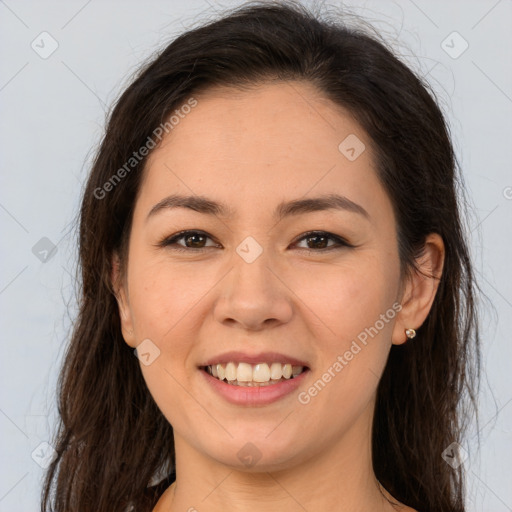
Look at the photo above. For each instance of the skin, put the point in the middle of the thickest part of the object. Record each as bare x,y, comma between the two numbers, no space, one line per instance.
252,150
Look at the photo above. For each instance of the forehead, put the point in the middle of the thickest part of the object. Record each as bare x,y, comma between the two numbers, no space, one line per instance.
258,146
269,123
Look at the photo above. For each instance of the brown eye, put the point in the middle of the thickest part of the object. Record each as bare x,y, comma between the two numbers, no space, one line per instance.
318,241
193,240
196,240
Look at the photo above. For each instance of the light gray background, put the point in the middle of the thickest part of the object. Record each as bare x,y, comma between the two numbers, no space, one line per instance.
53,112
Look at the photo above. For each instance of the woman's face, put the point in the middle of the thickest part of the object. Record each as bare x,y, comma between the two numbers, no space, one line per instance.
252,281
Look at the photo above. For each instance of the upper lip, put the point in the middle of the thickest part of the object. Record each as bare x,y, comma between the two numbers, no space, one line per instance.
261,357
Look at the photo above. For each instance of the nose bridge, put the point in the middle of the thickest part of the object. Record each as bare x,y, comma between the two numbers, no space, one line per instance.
252,294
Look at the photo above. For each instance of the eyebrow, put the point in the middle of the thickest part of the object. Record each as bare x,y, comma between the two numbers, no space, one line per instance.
284,209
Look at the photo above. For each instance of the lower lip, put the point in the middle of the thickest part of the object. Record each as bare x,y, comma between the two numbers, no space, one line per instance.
254,395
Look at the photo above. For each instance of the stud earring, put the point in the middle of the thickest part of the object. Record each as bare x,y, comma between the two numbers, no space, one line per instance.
410,333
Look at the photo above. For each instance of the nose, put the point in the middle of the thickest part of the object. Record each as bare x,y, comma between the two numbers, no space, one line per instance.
253,296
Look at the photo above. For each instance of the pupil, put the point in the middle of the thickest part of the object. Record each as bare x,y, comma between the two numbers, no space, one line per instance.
317,237
194,236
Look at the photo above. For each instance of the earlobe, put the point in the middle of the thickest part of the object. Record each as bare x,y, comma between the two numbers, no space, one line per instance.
121,296
420,290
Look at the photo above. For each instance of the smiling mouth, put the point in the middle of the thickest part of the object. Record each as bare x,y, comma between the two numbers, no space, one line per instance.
254,375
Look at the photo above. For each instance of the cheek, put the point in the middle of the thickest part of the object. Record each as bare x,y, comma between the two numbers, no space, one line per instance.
336,301
353,339
164,299
348,297
162,295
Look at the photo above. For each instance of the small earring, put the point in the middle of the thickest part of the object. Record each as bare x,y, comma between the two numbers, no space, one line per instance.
410,333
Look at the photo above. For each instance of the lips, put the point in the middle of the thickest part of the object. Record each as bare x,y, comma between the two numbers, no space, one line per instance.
250,391
255,396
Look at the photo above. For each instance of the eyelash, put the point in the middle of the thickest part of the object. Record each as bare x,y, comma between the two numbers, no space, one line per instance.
171,241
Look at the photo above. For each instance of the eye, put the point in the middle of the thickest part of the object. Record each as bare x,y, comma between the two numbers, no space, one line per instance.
320,239
194,240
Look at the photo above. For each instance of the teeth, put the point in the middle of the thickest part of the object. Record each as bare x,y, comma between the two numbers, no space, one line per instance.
261,374
276,371
244,372
231,371
287,371
296,370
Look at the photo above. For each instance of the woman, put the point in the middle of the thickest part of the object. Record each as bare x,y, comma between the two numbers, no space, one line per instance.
271,227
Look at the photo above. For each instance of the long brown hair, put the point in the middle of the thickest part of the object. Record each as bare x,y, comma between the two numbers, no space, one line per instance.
112,438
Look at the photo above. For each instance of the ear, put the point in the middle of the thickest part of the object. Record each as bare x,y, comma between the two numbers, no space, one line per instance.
420,289
121,294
